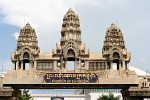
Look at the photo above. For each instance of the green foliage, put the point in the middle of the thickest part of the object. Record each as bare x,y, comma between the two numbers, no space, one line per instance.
108,97
25,95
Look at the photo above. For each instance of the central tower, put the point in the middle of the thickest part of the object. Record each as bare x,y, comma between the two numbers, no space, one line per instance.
70,29
71,47
70,35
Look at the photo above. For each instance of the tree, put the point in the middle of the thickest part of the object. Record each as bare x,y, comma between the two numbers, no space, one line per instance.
25,95
108,97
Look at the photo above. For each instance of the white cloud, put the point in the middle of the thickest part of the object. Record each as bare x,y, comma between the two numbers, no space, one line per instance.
16,34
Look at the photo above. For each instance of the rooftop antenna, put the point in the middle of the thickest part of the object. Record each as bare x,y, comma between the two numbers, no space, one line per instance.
116,22
76,8
24,20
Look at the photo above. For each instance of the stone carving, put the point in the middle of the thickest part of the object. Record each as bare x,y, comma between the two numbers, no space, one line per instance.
71,48
114,49
27,47
71,36
145,83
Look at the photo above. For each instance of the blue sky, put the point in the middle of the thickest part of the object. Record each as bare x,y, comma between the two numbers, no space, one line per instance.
132,16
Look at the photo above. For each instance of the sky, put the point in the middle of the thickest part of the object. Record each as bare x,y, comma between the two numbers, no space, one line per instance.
45,16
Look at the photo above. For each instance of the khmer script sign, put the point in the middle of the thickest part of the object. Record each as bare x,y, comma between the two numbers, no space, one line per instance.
70,78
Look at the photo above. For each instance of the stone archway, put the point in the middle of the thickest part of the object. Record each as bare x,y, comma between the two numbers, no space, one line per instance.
70,53
116,60
116,55
26,57
71,60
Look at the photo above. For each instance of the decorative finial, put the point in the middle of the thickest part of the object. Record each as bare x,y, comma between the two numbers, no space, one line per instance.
27,26
70,10
113,25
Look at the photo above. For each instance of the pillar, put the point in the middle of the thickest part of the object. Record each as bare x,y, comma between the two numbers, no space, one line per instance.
105,65
123,64
17,65
79,63
127,95
111,65
65,63
35,64
75,64
14,65
30,64
55,64
61,63
14,94
127,65
120,65
21,65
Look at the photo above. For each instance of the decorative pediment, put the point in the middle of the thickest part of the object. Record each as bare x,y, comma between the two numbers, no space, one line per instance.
70,46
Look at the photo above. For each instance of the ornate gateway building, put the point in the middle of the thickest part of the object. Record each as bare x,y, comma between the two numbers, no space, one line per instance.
35,70
71,48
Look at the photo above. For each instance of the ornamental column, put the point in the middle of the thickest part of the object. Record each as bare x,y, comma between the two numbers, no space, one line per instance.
105,65
22,65
14,65
120,67
75,64
124,66
30,64
111,65
17,65
65,63
35,64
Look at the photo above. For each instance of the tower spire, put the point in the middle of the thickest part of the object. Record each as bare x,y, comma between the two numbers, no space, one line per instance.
113,38
27,39
70,43
114,48
70,28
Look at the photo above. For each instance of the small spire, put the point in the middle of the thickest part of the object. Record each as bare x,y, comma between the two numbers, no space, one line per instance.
27,26
27,23
113,25
70,10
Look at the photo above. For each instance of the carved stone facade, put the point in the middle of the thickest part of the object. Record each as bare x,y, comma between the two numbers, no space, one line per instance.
114,49
71,48
27,48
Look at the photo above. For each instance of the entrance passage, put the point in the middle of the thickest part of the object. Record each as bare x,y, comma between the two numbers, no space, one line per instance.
116,61
26,61
116,65
70,59
70,65
26,66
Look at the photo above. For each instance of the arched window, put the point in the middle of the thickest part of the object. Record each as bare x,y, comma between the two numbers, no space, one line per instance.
116,55
26,55
26,61
70,53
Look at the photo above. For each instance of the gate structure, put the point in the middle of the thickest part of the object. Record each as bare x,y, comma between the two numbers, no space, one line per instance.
106,69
